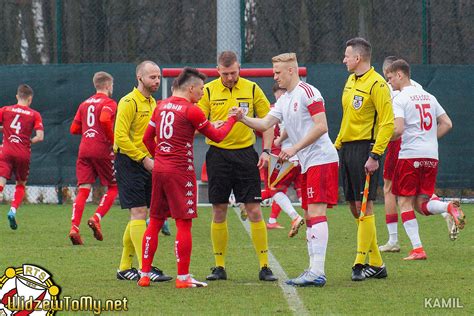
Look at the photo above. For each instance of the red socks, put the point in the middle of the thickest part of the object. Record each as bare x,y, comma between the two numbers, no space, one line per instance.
78,206
107,200
150,243
18,197
183,245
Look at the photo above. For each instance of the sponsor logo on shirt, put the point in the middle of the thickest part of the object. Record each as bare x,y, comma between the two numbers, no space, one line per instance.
90,133
164,147
14,139
357,102
295,106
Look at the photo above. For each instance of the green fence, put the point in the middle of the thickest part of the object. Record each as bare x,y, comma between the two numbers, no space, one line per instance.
59,89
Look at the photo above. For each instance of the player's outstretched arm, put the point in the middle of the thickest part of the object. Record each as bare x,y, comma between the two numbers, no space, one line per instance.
218,134
444,125
260,124
39,137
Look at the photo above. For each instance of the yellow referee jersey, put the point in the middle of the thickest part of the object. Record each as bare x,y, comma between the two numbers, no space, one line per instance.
218,100
367,112
133,115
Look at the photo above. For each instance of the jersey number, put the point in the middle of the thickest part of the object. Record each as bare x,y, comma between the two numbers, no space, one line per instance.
423,109
90,116
166,125
16,125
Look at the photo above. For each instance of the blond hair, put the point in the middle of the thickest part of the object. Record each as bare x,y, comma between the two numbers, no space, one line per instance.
101,79
289,58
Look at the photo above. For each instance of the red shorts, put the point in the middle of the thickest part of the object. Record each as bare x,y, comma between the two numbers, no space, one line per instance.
391,158
320,184
415,176
20,166
174,195
88,169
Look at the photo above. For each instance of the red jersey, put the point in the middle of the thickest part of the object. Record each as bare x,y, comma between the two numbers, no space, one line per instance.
18,124
175,120
94,142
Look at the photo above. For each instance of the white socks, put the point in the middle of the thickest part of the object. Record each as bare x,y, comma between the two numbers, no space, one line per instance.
284,202
317,239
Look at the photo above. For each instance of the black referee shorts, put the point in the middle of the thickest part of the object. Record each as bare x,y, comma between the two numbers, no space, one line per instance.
134,182
233,169
353,156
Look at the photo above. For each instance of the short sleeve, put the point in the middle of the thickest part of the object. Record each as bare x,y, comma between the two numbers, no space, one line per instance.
260,102
110,107
276,111
439,109
38,122
398,110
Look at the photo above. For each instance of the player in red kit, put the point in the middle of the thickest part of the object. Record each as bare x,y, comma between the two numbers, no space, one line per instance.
18,123
174,123
94,121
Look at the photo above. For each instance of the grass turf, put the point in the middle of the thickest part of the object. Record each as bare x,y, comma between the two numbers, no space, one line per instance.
41,239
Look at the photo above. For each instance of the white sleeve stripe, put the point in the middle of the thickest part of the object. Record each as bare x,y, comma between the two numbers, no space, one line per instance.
152,124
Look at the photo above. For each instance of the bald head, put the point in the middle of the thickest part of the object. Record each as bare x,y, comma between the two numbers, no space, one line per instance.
145,67
148,76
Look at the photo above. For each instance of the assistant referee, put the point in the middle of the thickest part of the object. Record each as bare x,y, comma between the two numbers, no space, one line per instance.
232,165
366,128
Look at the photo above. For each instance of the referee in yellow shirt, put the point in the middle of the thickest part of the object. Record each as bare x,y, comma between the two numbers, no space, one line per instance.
233,163
133,164
366,128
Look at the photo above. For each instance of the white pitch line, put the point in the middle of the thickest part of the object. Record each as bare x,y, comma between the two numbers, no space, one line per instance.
289,292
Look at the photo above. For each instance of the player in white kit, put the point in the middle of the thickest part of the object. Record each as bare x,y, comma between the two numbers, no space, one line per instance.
420,121
302,111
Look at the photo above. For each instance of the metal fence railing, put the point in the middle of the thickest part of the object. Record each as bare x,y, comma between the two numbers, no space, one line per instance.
71,31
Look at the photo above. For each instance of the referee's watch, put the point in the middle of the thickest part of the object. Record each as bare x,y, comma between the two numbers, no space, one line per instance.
374,156
267,151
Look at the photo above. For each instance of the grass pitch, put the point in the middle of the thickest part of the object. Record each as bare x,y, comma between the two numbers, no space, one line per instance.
41,239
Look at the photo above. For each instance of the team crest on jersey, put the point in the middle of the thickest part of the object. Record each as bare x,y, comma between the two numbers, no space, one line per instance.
295,106
27,289
357,102
245,107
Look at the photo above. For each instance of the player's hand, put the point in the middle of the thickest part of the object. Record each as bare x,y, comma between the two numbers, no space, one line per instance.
217,124
371,166
148,163
263,160
238,112
287,153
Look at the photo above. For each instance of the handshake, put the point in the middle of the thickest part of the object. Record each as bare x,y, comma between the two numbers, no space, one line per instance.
237,112
234,111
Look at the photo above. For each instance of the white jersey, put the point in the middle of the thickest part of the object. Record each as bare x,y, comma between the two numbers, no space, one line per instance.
420,111
394,93
295,109
287,143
